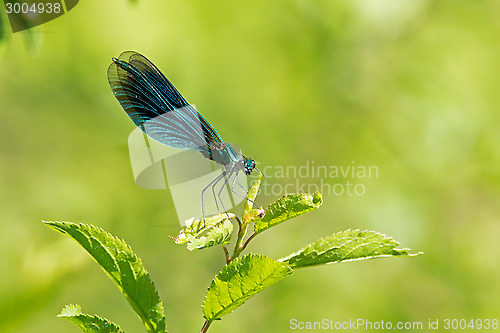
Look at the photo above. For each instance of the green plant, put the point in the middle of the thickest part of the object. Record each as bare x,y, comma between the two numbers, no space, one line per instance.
241,278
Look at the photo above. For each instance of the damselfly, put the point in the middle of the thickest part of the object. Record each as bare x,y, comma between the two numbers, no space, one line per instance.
160,111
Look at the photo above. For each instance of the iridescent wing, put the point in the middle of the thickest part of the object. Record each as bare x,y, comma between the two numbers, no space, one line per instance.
157,108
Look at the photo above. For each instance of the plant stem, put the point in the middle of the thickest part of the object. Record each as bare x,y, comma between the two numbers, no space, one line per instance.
205,326
252,236
226,252
242,230
239,222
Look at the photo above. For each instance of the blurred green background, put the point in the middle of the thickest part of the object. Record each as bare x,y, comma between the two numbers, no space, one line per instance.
411,87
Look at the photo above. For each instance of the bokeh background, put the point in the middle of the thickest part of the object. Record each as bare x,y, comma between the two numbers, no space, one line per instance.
411,87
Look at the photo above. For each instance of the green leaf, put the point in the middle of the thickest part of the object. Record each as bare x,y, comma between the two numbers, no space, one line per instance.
250,214
289,206
88,323
345,246
123,267
213,231
241,279
2,27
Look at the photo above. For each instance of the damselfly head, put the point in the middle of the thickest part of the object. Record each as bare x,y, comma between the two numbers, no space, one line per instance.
247,165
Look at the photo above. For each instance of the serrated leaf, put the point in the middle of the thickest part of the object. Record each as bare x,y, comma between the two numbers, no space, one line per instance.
219,234
345,246
288,207
70,310
241,279
88,323
200,234
123,267
248,204
196,226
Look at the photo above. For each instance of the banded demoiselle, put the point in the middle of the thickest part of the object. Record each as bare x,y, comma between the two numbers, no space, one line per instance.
159,110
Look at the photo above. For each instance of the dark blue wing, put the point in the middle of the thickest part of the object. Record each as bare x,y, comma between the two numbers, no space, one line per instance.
157,108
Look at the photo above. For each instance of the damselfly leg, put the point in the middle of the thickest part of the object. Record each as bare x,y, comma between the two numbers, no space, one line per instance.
222,188
229,175
244,190
212,186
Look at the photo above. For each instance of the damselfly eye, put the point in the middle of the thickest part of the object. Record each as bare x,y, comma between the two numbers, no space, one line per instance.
248,166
